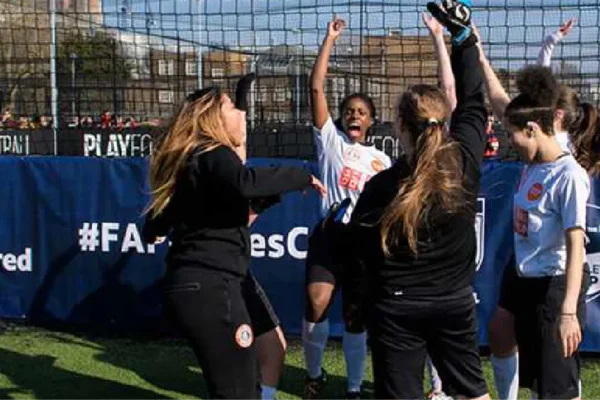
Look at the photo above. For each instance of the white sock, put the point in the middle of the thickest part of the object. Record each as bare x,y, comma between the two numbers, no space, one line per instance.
506,375
314,340
355,353
436,382
268,392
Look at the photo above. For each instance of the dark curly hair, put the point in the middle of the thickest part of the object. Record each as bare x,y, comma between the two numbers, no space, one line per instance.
537,101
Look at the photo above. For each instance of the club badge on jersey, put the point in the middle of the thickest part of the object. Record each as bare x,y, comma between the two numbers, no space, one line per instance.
244,336
377,165
535,192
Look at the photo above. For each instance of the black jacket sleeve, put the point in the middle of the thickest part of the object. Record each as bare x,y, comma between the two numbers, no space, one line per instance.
469,117
261,204
226,167
154,228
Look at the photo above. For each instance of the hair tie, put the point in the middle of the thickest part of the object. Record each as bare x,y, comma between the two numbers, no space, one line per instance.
432,122
429,123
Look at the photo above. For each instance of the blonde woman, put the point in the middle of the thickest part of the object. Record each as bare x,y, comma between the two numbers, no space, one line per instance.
200,195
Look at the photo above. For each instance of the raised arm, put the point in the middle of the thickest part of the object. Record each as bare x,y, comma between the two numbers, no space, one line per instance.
497,95
445,75
242,89
550,41
469,118
320,109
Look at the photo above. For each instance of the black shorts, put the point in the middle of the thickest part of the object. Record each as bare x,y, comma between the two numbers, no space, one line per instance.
262,315
508,296
542,367
326,262
404,330
210,310
323,262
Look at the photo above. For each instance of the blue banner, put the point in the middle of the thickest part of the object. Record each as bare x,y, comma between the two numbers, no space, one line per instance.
71,249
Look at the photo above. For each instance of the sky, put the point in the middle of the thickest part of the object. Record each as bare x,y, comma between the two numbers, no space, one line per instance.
511,29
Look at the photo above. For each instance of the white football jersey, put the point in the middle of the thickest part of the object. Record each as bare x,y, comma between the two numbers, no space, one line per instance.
551,198
344,166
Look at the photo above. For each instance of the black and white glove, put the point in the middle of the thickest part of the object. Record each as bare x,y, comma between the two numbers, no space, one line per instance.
335,214
456,17
241,91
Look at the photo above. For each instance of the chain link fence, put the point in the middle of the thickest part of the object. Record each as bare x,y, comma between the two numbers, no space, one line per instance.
99,77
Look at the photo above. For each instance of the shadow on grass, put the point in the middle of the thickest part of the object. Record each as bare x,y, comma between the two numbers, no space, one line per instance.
166,364
39,375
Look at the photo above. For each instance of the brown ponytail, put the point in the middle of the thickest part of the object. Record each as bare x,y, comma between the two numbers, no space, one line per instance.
436,180
585,132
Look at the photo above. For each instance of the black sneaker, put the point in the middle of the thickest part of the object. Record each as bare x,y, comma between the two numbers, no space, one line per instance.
354,395
313,386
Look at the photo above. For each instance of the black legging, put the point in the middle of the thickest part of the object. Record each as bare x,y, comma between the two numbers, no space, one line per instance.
209,308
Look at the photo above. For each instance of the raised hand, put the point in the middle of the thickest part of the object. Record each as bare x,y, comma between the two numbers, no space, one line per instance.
566,27
241,91
432,24
335,27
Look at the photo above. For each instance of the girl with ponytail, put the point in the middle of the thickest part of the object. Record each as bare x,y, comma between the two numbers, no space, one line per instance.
415,241
549,235
581,122
436,179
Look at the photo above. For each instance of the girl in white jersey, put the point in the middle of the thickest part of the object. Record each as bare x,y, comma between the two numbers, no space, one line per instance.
569,118
346,162
549,225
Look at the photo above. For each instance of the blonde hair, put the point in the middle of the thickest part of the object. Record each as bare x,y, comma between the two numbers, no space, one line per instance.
436,180
196,125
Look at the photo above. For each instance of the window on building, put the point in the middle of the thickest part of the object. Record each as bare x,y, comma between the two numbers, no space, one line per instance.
375,89
166,67
191,67
217,72
166,97
280,95
263,94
